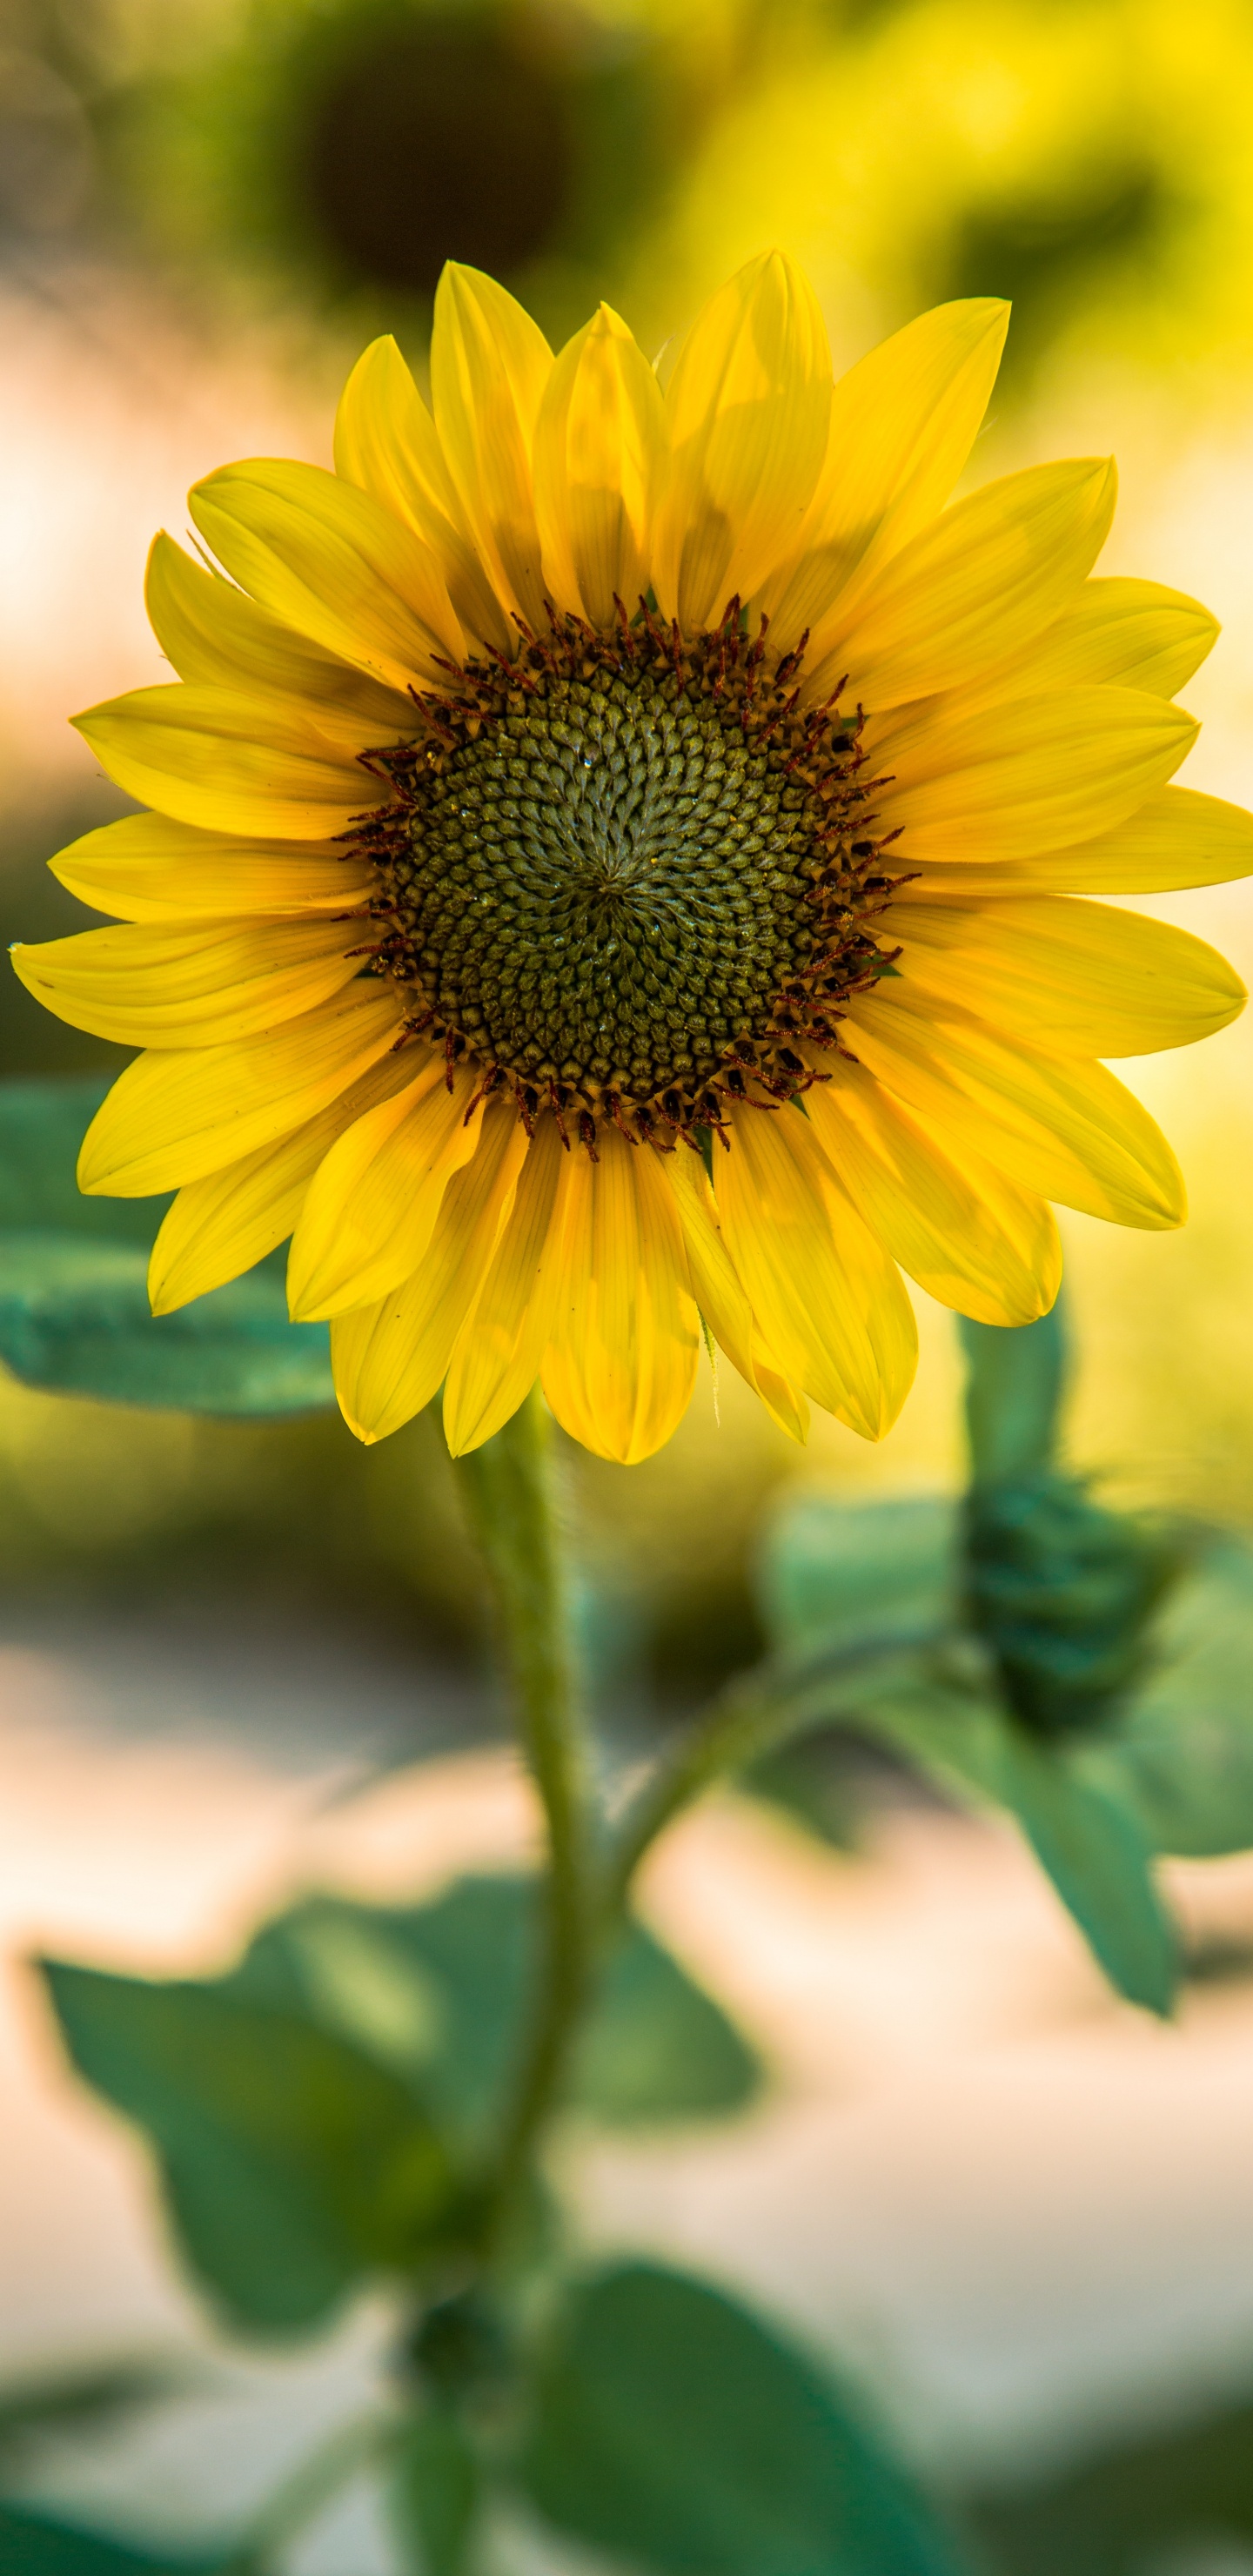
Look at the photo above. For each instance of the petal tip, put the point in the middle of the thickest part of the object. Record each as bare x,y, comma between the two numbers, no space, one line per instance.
92,1177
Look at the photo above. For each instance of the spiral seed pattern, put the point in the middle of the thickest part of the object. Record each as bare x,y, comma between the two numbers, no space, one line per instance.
608,889
621,874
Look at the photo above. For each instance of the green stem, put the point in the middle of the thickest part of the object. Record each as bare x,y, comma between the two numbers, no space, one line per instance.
509,1486
307,2492
740,1724
751,1717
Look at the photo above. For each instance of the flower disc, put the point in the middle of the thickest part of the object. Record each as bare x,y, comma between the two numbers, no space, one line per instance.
621,869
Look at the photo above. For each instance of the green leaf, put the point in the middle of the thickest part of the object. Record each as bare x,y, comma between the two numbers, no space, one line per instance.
33,2545
837,1579
294,2164
1168,2499
442,1993
868,1586
1014,1387
656,2046
804,1779
671,2428
81,2398
1183,1754
1085,1833
1099,1858
42,1125
839,1576
74,1312
436,2494
75,1318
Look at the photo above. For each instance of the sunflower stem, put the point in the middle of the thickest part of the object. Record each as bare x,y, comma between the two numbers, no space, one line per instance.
744,1721
758,1712
311,2487
509,1486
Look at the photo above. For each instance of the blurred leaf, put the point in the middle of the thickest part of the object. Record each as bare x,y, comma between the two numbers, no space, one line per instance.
437,1993
657,2047
435,2494
1049,248
74,1317
841,1575
33,2545
84,2397
74,1312
866,1584
42,1125
349,1968
805,1781
1216,1960
1016,1376
1099,1859
670,2427
441,1994
294,2164
836,1577
1171,2498
1086,1835
1184,1752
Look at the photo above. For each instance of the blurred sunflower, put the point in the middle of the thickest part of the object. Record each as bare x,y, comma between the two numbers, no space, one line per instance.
612,869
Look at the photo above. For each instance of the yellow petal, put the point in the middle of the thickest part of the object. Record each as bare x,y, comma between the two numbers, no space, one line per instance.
600,446
227,764
390,1358
1078,977
174,1115
219,1226
967,1234
1031,776
903,422
975,586
621,1364
212,632
497,1354
1135,632
829,1299
723,1300
1132,633
1176,838
373,1201
386,444
190,986
1058,1125
489,367
331,562
148,868
748,410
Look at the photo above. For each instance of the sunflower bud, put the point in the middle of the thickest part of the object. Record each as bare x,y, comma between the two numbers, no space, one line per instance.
1062,1591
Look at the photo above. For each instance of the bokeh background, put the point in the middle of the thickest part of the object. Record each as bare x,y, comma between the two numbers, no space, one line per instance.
1032,2216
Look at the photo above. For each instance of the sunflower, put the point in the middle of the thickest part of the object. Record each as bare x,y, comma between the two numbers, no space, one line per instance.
612,869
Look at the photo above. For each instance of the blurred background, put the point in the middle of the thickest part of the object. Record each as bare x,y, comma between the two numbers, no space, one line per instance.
1025,2214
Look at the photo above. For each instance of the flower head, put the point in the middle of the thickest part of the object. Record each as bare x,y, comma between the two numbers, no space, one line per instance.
613,865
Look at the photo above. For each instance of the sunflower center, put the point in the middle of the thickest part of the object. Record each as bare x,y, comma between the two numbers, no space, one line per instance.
608,875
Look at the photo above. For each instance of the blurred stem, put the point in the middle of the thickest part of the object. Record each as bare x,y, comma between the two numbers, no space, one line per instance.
1015,1383
743,1722
509,1488
307,2492
754,1715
